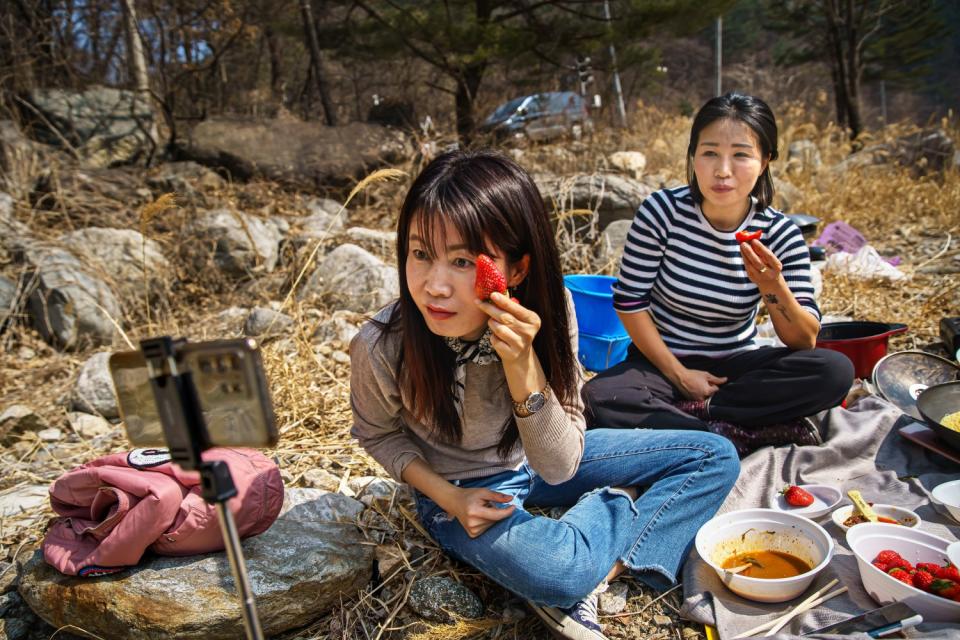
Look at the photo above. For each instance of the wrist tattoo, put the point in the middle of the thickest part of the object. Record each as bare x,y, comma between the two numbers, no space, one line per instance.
771,299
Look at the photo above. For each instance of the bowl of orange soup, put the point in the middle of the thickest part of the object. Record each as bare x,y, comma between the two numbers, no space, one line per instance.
776,555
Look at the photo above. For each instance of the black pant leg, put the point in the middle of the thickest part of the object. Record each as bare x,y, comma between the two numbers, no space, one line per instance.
634,394
771,385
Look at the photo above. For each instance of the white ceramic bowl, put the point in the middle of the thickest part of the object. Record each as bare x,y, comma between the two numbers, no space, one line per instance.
905,517
868,540
759,530
948,494
825,498
953,553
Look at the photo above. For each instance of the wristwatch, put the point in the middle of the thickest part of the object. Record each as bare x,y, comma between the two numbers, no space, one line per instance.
532,404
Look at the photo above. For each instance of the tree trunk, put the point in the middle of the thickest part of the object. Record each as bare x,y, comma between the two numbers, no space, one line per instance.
135,57
313,45
138,70
467,85
468,80
854,72
838,62
276,70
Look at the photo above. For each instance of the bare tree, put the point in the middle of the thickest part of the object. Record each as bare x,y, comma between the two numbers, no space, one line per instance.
313,44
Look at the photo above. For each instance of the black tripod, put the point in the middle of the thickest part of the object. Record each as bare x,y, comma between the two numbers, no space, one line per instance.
186,434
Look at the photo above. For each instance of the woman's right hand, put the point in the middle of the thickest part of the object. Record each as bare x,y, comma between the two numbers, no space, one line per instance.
475,510
698,385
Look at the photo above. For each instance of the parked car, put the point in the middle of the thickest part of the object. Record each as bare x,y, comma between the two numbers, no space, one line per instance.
540,117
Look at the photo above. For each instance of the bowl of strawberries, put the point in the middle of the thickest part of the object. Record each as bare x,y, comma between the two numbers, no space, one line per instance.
898,564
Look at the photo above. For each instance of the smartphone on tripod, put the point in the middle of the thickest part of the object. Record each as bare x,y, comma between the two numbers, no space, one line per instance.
230,384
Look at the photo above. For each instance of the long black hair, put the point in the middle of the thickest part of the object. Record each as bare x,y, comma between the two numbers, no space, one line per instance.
487,198
757,115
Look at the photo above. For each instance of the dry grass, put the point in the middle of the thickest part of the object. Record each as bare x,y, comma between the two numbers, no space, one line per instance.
915,218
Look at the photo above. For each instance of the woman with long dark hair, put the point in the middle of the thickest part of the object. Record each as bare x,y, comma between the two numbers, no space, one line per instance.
698,261
476,404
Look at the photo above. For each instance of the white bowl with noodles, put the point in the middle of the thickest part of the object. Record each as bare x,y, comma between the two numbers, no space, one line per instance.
904,517
754,530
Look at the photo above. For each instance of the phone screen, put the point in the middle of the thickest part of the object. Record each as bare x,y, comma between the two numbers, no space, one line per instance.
870,620
230,383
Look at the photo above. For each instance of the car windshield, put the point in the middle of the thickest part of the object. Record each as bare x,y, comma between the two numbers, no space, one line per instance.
505,110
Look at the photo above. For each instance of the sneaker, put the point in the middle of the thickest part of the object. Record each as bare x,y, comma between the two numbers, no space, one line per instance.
579,622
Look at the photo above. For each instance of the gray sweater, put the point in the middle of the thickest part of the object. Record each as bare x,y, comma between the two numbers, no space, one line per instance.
551,439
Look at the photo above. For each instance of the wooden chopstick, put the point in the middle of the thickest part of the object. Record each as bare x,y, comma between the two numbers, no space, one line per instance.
812,597
816,603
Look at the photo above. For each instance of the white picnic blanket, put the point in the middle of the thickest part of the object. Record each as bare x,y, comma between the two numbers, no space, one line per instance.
863,451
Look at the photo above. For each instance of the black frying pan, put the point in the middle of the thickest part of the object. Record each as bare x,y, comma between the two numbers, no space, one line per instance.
937,401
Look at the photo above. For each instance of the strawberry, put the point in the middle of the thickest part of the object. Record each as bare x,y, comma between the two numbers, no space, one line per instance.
922,580
938,586
489,278
948,572
796,497
881,565
902,575
888,555
951,593
929,567
899,563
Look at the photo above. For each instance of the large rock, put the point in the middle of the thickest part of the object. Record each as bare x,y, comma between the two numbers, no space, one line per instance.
70,306
18,420
613,197
379,243
785,195
13,233
186,179
121,256
302,154
302,566
21,161
93,392
441,599
110,196
102,125
354,279
803,155
8,301
630,162
926,151
610,248
238,243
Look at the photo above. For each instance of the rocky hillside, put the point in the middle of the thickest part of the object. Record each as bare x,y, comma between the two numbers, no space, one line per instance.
291,242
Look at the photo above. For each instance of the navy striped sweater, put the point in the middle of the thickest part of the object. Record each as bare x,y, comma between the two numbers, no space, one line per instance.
691,277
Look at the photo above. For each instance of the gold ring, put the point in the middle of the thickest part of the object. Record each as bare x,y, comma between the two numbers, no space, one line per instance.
762,269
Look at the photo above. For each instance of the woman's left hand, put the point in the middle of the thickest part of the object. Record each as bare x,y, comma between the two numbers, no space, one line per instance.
762,265
513,326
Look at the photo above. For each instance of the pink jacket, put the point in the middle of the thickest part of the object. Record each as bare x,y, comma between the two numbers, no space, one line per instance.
116,507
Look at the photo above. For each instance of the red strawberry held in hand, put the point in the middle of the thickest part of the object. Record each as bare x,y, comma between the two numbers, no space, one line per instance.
797,497
489,278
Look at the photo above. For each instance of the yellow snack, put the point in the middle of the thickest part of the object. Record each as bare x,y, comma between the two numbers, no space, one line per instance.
951,421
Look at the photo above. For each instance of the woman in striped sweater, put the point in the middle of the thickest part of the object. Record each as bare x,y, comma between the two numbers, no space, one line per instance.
689,290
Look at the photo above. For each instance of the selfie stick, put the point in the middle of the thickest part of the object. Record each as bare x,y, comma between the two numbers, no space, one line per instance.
186,434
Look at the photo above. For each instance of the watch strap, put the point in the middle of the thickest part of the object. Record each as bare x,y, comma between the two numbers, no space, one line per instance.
523,409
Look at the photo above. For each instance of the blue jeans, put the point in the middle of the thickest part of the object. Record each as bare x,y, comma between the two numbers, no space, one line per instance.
687,475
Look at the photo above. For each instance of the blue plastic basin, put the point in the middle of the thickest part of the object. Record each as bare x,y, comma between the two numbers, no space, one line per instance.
598,353
593,299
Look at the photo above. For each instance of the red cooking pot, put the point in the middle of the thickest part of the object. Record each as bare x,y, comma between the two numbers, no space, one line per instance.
863,342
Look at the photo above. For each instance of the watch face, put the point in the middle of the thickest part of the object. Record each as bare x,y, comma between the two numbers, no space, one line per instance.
535,402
